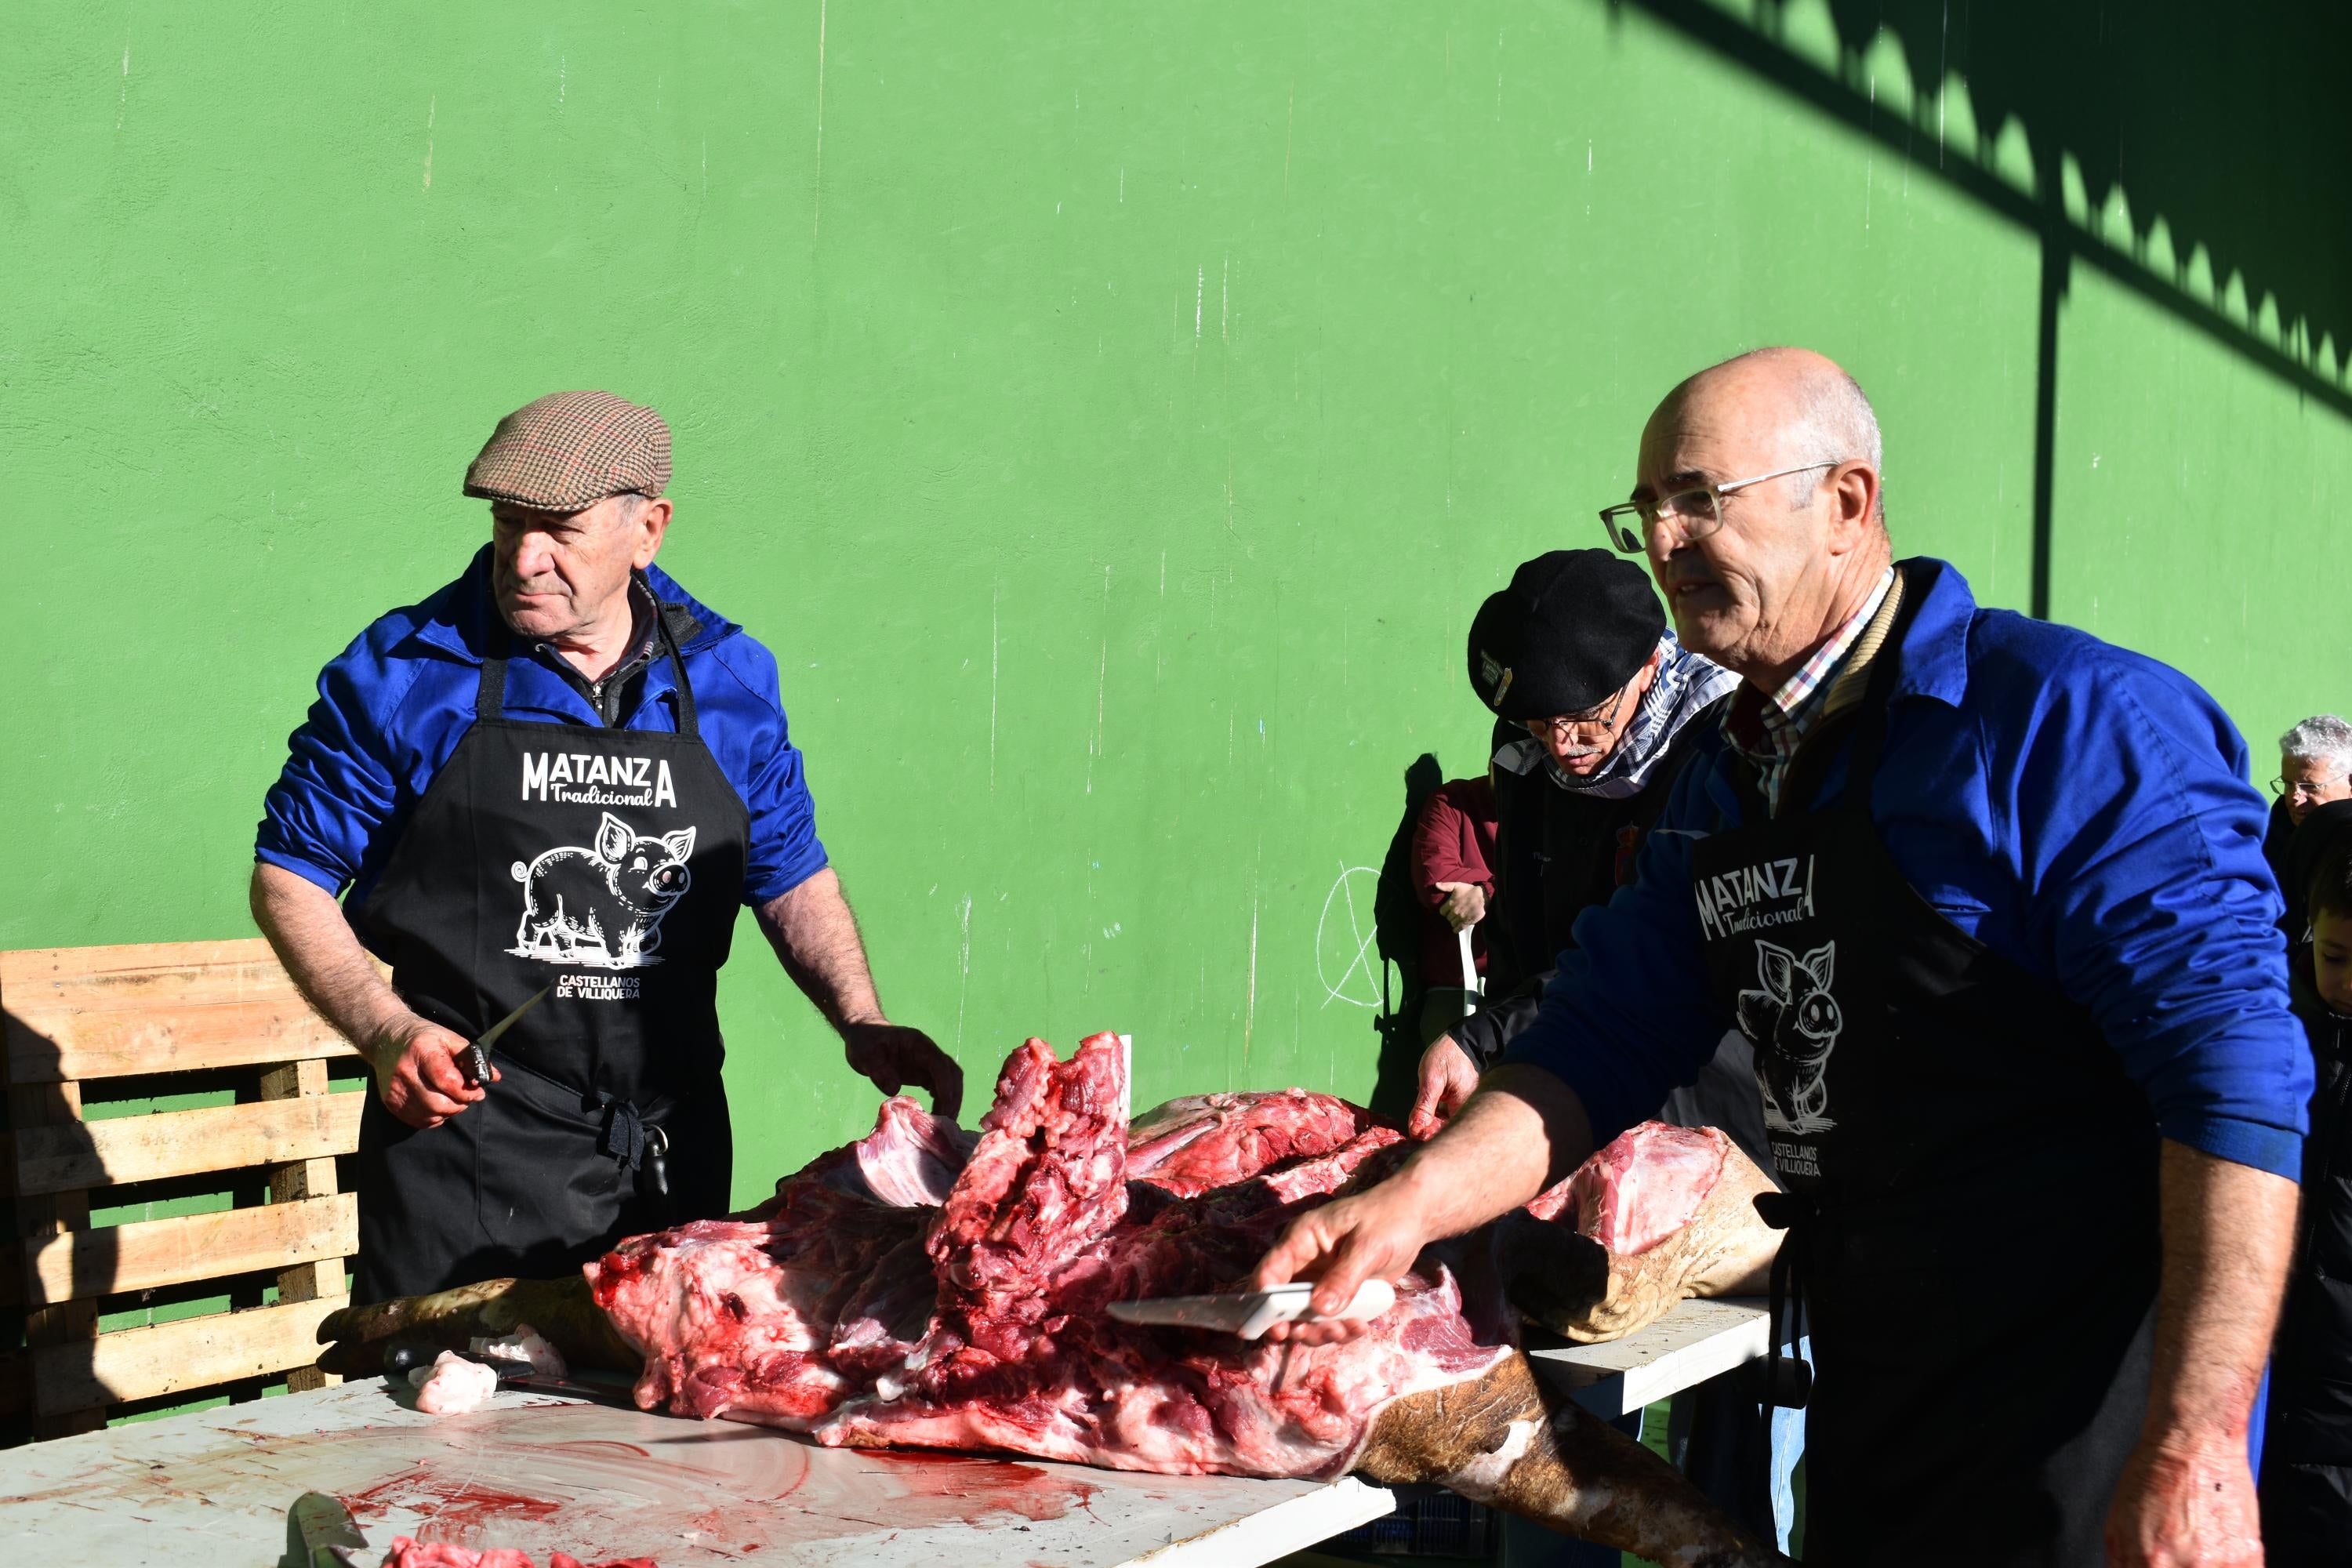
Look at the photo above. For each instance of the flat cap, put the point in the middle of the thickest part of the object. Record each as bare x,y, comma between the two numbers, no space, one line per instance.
1573,626
570,450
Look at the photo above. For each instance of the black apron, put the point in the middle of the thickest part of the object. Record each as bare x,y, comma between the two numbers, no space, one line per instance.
1971,1197
609,862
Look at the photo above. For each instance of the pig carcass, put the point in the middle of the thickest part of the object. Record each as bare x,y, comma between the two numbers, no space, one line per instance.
973,1318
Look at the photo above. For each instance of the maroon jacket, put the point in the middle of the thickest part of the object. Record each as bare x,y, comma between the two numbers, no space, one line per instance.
1453,841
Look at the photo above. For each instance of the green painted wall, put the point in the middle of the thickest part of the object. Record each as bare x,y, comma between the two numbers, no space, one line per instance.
1109,416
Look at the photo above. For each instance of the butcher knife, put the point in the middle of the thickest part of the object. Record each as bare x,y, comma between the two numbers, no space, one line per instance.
1249,1313
329,1536
478,1052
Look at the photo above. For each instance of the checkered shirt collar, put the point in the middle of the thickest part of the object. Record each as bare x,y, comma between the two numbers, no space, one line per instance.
1766,728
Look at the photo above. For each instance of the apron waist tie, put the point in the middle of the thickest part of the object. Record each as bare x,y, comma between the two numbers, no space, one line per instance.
635,1144
623,1137
1788,1379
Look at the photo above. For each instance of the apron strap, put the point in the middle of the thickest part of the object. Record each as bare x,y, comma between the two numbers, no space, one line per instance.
1870,732
687,723
491,690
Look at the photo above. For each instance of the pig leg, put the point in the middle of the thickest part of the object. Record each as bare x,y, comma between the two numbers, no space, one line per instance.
562,1309
1508,1442
1569,1284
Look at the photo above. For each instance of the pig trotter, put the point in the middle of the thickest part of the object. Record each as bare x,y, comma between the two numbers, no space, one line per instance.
562,1309
1506,1441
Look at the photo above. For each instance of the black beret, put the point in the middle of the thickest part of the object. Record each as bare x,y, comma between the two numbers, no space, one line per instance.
1573,626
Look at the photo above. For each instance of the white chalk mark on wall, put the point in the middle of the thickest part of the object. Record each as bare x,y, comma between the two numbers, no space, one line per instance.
1199,292
1249,1006
963,986
1102,681
432,107
817,217
1345,943
995,642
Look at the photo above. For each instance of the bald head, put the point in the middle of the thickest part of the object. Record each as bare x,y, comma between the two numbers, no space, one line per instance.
1816,412
1790,556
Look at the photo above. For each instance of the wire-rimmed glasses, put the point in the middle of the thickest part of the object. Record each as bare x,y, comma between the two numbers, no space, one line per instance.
1697,509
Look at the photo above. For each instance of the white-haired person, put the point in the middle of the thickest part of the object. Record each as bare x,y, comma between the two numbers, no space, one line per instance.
2315,776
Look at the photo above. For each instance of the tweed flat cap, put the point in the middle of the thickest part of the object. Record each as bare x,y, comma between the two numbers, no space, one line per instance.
570,450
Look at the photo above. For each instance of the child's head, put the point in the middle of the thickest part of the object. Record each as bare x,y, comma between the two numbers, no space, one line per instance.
2331,928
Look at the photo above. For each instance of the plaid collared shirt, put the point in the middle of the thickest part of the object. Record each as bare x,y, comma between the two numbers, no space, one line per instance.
1767,730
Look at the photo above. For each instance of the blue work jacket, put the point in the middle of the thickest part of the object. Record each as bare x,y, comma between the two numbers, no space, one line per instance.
393,706
2081,810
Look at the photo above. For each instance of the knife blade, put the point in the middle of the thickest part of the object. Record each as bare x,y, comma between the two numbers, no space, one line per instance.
328,1533
477,1055
1249,1313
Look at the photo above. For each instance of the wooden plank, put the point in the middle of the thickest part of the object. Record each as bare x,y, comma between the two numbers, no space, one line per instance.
144,1255
296,1181
172,1358
63,1157
32,1109
24,970
62,1044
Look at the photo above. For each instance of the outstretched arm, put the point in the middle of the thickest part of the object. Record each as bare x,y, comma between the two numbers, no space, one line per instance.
1522,1130
816,937
2187,1496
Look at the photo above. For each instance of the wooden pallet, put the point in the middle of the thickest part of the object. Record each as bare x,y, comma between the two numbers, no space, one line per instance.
73,1015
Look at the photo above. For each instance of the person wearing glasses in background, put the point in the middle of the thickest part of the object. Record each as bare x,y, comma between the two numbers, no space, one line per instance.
2313,786
1987,894
1598,705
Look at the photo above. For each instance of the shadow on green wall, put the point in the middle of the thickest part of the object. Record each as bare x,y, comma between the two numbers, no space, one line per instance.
2190,152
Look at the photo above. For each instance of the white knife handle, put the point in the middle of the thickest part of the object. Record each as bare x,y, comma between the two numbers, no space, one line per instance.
1287,1303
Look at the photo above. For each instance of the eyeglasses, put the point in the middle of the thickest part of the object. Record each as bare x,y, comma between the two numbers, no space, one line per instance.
1603,713
2307,789
1698,510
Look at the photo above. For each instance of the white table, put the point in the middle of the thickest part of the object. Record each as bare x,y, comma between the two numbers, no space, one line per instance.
210,1491
1688,1345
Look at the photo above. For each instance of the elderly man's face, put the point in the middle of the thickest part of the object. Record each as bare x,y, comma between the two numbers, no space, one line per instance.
1754,594
558,575
2311,782
1581,743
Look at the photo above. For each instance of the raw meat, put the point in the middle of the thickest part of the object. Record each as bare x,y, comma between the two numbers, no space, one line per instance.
1642,1188
911,1156
453,1385
525,1344
1660,1215
981,1324
410,1553
1189,1145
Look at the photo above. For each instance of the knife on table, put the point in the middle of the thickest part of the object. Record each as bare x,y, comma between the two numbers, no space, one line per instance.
1249,1313
327,1535
478,1052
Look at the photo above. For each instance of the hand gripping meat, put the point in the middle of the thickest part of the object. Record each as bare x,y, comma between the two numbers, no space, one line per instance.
1661,1213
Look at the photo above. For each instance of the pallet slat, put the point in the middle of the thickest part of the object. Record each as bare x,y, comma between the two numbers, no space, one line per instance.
24,970
65,1157
76,1044
147,1254
172,1358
